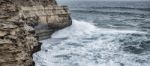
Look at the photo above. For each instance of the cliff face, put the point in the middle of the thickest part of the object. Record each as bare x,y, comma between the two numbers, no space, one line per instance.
17,42
47,18
23,23
30,2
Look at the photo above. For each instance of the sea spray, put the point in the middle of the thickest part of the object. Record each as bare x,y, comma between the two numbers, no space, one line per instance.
84,44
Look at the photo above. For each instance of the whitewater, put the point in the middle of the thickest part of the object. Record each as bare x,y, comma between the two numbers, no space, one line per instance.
102,34
84,44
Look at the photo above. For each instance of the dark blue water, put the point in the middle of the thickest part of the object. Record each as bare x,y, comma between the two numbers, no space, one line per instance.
126,15
102,34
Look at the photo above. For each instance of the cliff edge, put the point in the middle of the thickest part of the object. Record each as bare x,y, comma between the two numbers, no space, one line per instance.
23,23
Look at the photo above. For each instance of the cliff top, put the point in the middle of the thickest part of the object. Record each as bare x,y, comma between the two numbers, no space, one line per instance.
29,2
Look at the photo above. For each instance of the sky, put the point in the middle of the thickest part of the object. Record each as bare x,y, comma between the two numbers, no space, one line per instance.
103,0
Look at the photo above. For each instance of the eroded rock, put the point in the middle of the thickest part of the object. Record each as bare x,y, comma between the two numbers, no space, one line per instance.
23,23
46,19
16,47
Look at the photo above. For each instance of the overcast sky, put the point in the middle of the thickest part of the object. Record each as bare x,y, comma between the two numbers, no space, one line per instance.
103,0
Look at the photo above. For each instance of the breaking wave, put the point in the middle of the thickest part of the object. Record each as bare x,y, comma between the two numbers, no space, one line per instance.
84,44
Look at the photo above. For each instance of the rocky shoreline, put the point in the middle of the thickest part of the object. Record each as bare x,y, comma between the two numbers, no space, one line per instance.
23,23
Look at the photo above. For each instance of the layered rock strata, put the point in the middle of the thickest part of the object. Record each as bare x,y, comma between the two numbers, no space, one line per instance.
23,23
17,42
48,19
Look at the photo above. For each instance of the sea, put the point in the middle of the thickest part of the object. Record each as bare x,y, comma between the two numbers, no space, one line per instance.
103,33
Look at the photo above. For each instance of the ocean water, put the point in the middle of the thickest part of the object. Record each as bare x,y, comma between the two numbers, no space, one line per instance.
102,34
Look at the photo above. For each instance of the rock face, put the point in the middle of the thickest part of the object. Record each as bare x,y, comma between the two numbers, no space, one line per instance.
47,19
23,23
17,41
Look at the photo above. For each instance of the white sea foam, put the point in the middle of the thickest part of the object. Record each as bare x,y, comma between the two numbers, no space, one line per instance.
79,28
84,44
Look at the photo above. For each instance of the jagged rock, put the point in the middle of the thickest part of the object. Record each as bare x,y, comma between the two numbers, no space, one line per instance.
36,13
17,44
23,23
7,10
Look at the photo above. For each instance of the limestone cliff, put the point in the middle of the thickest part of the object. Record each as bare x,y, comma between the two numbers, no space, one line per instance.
17,42
47,19
23,23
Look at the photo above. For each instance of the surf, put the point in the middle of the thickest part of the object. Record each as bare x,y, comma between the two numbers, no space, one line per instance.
84,44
